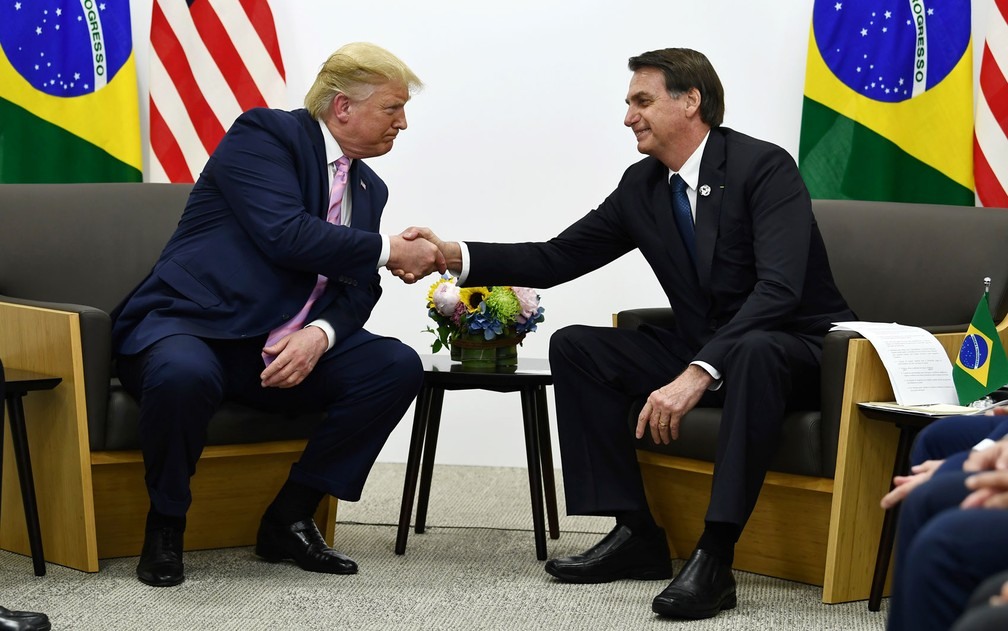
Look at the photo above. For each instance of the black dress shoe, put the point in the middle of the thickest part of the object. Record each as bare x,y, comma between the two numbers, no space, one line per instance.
621,554
302,543
161,558
703,587
23,621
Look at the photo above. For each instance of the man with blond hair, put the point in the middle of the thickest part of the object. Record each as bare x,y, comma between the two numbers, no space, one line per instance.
261,296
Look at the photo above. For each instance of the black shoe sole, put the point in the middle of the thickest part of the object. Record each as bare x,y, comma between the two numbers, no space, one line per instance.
172,582
653,574
671,610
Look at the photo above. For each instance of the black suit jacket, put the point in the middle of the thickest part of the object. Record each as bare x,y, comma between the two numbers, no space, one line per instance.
761,262
253,239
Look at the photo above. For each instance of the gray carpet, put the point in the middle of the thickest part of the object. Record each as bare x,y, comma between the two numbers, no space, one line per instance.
474,568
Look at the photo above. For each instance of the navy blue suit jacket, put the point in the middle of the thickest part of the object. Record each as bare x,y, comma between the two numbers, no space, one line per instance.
761,262
253,238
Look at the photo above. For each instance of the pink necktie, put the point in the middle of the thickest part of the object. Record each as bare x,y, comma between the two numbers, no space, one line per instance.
334,217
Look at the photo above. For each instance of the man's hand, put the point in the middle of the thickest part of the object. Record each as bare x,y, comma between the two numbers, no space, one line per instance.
666,406
296,356
412,259
919,474
990,490
993,457
451,250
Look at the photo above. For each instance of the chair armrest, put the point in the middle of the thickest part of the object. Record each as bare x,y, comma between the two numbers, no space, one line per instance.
832,376
661,317
96,353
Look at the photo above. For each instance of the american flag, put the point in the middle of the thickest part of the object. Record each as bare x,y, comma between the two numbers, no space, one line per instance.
211,60
990,136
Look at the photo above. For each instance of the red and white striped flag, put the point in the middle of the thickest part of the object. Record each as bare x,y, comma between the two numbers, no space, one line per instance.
211,60
990,135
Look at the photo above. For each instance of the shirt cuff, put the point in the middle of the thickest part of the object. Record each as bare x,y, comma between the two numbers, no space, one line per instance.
983,444
386,252
465,263
713,372
327,329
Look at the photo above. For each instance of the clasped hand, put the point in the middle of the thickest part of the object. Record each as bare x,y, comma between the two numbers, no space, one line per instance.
412,258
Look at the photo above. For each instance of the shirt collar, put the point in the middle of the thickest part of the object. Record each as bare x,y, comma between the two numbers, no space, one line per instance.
332,148
690,170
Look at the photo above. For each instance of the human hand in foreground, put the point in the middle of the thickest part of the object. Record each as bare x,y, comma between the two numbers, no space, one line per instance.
990,490
412,259
994,457
666,406
919,474
295,356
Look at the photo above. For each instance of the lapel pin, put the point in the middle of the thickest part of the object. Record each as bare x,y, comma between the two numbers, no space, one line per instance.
704,190
363,185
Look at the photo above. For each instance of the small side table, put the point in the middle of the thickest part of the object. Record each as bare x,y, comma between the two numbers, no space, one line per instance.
18,384
909,424
530,379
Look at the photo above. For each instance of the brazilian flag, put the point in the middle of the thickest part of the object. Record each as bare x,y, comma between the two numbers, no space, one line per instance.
68,92
888,107
981,366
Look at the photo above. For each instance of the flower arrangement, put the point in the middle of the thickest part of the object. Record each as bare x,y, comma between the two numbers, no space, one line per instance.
488,313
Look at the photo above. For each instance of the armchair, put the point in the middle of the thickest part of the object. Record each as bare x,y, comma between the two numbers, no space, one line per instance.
68,254
818,519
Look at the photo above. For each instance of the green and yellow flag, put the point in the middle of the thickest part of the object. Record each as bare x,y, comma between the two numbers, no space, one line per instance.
981,366
888,108
68,92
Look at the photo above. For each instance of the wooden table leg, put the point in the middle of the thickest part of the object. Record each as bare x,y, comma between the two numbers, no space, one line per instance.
888,536
534,457
22,459
430,448
546,448
413,466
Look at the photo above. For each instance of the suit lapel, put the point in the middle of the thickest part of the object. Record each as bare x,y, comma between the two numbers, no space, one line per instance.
311,126
362,215
708,211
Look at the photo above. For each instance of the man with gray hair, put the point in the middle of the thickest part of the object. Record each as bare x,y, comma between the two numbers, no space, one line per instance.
261,296
725,223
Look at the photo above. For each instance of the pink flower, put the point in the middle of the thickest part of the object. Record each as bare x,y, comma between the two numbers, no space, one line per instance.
529,301
446,298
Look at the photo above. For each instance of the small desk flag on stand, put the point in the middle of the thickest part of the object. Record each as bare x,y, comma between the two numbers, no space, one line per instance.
981,366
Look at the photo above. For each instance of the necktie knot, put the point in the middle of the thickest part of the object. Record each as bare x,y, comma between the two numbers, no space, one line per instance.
678,184
342,167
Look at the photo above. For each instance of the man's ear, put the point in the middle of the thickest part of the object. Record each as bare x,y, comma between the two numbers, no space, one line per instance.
340,107
692,101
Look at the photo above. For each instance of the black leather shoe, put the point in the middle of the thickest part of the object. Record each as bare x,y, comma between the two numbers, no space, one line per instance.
23,621
621,554
161,558
703,588
302,543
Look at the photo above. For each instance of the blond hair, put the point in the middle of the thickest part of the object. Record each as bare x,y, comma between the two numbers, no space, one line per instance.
354,70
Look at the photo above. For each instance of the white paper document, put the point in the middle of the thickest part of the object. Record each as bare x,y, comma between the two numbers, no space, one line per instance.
918,366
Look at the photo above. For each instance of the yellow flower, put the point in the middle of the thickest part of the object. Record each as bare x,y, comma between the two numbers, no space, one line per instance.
471,297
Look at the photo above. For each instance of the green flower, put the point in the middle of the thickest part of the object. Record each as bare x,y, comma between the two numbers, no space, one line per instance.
502,304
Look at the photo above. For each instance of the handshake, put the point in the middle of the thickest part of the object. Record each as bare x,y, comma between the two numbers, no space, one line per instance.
417,252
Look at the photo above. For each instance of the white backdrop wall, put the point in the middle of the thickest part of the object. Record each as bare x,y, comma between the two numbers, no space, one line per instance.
519,131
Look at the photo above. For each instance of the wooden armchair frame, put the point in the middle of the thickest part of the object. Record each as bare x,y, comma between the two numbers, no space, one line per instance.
93,505
814,530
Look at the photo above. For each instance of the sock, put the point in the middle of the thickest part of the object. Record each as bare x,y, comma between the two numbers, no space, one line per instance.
718,540
156,521
640,522
295,502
